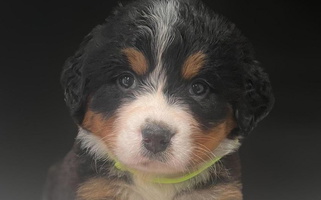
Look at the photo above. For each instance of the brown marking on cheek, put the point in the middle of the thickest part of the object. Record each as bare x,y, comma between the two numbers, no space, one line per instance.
137,60
100,188
101,127
206,142
193,65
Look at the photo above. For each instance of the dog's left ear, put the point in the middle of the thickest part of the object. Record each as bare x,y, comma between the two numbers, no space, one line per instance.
257,99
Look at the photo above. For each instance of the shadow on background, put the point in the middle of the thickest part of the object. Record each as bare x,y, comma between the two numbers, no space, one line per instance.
281,158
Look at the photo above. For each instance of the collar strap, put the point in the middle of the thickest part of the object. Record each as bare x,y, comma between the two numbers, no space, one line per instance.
164,180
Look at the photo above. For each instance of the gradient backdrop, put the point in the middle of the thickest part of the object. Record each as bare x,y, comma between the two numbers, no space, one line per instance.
281,158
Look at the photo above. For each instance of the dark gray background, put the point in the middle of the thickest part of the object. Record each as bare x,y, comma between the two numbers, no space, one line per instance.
281,158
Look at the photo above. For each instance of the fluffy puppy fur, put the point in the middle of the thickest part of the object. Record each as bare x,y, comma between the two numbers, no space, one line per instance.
158,91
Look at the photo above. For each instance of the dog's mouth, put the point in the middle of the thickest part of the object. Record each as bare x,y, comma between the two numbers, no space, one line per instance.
153,167
160,163
156,157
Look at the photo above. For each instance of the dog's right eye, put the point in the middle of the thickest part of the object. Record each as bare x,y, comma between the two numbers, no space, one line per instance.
126,81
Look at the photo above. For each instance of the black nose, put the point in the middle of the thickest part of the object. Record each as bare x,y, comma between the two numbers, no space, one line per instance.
156,137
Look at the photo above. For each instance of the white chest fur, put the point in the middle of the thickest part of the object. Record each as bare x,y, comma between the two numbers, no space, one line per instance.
152,191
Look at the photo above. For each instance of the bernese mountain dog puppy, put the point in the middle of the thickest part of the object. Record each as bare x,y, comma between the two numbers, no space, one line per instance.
163,93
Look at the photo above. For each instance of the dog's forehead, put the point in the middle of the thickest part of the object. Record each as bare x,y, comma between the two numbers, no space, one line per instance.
166,53
163,39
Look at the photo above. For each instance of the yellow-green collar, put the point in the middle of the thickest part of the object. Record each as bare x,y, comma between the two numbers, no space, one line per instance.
163,180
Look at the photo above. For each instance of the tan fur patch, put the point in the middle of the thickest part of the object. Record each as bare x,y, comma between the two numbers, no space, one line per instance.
99,189
100,126
206,142
230,191
193,65
137,60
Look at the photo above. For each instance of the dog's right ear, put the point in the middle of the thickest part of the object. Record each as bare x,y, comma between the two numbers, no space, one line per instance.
257,99
73,82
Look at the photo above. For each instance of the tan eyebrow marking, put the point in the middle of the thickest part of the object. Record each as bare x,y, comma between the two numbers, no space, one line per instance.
193,64
137,60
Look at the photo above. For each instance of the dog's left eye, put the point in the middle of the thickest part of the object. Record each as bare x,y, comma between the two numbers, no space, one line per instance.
126,81
199,88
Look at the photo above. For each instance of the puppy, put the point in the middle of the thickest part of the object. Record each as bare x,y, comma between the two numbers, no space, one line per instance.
163,93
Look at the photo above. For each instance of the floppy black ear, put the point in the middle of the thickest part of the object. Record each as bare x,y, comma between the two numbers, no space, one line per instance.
73,81
257,99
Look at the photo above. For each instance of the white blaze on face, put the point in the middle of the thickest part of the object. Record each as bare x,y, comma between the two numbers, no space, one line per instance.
163,16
